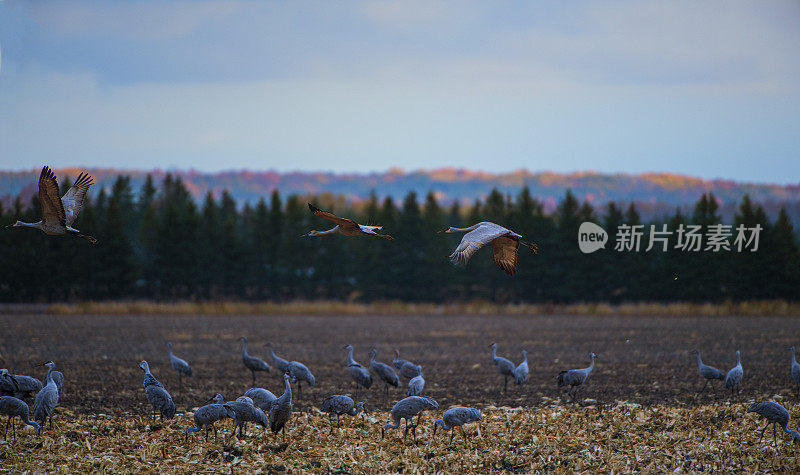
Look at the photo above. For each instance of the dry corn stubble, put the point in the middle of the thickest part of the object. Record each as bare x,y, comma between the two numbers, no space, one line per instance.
560,439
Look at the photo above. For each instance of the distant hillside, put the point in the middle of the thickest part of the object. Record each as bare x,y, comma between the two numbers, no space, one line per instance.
656,192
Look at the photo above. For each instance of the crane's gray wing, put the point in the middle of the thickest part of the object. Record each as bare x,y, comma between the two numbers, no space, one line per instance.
474,240
505,253
73,198
52,207
342,222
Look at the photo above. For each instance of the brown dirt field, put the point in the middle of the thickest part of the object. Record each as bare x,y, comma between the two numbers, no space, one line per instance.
644,360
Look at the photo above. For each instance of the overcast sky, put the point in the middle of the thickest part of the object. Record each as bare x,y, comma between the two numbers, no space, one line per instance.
702,88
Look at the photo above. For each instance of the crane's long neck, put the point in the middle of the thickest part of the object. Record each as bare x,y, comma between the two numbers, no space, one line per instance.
738,359
794,360
494,353
244,348
350,359
50,376
333,230
357,409
287,390
525,358
36,225
461,230
591,365
441,423
699,360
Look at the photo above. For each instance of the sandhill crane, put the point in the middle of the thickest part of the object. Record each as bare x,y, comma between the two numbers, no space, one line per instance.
58,213
19,385
359,373
521,371
58,377
206,416
13,407
384,371
262,398
280,363
733,380
46,400
774,413
457,417
406,409
406,368
344,226
299,373
179,365
795,371
281,410
245,411
504,366
416,385
505,244
710,373
338,405
253,363
574,378
157,395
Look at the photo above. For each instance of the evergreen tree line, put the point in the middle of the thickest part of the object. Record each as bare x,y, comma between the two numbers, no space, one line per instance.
159,244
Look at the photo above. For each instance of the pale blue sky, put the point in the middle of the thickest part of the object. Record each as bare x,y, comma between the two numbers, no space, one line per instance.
703,88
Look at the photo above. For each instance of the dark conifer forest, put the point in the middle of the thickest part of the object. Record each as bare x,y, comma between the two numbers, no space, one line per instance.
157,243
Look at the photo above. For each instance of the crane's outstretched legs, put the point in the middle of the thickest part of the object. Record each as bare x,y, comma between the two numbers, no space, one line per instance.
254,377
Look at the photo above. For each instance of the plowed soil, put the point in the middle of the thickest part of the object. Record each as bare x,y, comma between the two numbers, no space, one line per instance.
643,360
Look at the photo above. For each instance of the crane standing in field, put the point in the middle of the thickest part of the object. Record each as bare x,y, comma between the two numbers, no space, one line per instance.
262,398
245,411
521,371
46,400
157,395
774,413
58,213
406,409
505,244
344,226
416,385
206,416
710,373
574,378
457,417
407,369
795,371
13,407
299,373
281,410
504,366
280,363
19,385
359,373
253,363
179,365
338,405
385,372
733,380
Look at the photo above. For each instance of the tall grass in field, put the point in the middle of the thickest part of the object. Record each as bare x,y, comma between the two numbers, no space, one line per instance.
750,308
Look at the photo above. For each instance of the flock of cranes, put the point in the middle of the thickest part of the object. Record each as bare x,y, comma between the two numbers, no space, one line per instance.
58,214
261,406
